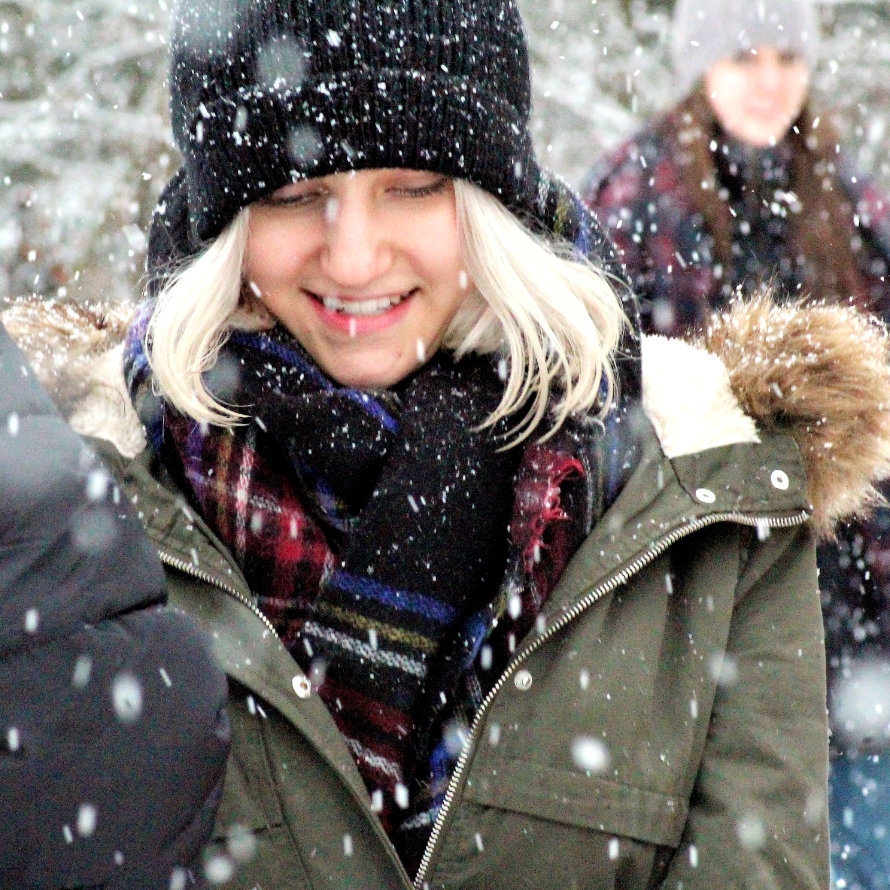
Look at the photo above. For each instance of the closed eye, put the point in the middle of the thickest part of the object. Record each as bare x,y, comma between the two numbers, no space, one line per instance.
423,191
300,199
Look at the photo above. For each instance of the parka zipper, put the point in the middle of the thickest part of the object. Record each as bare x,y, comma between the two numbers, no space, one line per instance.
606,586
189,569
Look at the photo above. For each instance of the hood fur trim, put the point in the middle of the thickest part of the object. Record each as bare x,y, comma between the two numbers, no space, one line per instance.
821,373
76,351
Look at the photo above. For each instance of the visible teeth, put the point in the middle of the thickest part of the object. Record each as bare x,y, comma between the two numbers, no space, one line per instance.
362,307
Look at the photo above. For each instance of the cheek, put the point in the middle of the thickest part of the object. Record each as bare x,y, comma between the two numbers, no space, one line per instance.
271,254
725,93
269,264
446,255
257,255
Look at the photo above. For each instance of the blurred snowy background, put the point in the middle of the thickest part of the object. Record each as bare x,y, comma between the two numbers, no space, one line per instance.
84,145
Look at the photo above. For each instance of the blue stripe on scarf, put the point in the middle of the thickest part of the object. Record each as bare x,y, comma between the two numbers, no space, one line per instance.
137,372
430,608
265,344
583,241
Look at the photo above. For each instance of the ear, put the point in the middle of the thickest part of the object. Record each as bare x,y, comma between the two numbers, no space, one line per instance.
251,314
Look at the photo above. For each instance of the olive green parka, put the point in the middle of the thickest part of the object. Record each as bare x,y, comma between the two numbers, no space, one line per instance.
663,725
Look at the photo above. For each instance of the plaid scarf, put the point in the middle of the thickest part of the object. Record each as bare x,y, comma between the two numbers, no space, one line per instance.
399,555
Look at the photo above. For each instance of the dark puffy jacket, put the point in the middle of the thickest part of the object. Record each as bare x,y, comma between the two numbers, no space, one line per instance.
113,733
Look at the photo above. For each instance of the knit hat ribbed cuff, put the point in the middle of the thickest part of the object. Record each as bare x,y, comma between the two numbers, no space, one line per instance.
249,144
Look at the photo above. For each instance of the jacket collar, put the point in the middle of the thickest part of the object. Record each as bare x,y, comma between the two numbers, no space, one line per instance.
758,484
702,460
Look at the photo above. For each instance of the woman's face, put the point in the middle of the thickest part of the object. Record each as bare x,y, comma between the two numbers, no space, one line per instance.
364,269
758,96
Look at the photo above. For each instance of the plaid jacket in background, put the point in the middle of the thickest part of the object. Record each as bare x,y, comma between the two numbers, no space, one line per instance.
641,198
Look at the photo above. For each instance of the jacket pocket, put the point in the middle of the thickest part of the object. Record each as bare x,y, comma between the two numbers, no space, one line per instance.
249,799
524,824
582,800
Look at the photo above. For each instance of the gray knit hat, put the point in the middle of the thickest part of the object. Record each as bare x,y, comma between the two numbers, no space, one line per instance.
706,31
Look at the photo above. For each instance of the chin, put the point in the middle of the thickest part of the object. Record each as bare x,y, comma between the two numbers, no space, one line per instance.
761,139
368,379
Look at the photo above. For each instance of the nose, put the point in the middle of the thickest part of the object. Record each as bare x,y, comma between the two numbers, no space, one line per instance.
772,77
769,76
356,250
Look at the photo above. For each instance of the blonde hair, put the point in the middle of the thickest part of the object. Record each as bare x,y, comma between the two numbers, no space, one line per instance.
552,316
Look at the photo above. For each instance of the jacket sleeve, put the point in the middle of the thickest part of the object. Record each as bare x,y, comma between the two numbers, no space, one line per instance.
113,733
758,816
613,190
623,194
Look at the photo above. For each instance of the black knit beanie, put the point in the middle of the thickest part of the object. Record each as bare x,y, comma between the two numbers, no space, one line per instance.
267,92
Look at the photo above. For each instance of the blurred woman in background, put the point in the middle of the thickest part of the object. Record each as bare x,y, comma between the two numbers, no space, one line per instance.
741,182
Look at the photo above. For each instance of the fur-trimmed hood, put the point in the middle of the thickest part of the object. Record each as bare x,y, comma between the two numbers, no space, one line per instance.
818,372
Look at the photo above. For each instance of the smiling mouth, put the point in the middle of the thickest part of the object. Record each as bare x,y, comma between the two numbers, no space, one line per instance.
362,308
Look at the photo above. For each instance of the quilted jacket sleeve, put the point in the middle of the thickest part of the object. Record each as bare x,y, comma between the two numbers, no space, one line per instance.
113,733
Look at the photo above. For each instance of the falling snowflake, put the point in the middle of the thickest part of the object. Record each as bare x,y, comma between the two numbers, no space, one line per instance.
126,696
590,754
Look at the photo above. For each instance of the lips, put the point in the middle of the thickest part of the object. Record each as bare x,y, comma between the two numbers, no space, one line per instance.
367,308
